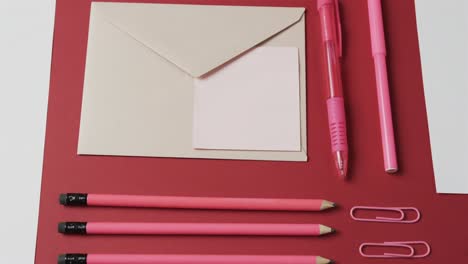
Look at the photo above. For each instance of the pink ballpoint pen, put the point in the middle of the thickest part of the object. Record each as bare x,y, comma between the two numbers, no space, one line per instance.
383,97
331,36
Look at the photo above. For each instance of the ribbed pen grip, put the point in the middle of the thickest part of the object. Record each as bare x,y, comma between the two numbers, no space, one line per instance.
337,124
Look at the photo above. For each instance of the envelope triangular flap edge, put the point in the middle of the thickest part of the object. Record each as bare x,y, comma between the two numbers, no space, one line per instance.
198,38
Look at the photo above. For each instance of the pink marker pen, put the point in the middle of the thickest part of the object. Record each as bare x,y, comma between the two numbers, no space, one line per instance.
385,112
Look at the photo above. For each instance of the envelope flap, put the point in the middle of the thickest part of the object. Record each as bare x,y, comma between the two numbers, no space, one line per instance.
198,38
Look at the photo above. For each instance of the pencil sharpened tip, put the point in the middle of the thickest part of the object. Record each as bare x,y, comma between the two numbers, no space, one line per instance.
322,260
324,230
327,205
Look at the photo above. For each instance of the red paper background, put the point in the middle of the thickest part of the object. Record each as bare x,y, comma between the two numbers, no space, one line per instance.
444,216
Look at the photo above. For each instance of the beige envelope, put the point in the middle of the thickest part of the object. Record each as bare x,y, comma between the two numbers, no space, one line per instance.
141,61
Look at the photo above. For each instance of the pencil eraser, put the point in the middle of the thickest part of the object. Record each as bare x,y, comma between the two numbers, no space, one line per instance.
62,259
63,199
78,228
72,259
73,199
62,227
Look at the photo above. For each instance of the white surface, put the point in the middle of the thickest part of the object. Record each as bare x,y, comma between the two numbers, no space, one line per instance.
251,103
443,42
25,51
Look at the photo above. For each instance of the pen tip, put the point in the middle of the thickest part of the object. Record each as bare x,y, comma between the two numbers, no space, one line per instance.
342,173
341,162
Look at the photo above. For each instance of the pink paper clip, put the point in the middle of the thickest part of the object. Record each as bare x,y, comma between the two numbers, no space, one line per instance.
400,210
400,244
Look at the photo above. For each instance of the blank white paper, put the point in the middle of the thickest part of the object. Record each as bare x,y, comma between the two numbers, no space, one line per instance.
443,43
252,103
26,29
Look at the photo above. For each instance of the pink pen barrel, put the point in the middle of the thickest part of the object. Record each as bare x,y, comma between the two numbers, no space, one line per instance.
383,94
112,228
385,115
334,83
203,259
376,27
331,44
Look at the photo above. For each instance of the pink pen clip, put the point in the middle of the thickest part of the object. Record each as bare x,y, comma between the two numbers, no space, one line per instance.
381,219
400,244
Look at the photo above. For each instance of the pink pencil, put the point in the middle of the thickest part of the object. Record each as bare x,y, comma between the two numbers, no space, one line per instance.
186,202
385,111
116,228
188,259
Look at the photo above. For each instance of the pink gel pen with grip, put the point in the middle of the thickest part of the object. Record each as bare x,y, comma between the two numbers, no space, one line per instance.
331,36
385,112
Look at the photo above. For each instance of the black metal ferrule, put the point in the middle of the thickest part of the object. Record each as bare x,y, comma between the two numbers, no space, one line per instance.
72,259
74,199
75,228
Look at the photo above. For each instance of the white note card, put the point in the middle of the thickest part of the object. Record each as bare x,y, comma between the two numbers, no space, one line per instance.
251,103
